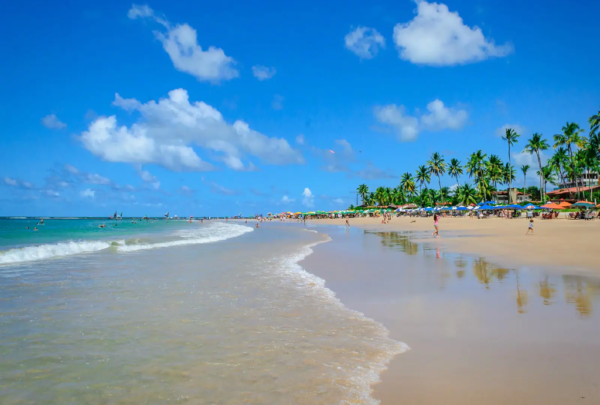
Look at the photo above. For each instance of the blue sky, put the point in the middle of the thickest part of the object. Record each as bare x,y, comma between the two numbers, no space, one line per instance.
220,108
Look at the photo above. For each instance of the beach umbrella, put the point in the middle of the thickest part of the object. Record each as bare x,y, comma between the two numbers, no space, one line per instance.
485,207
462,208
565,204
552,206
585,204
531,207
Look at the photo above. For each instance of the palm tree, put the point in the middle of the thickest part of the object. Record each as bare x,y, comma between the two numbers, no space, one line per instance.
363,191
536,144
380,196
524,169
437,166
570,137
407,184
455,169
423,176
494,169
467,194
476,167
594,124
511,137
509,174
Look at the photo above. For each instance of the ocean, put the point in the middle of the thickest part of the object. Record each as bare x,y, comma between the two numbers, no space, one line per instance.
176,312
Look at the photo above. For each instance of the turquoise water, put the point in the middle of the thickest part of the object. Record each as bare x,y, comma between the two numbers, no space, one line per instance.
14,232
67,237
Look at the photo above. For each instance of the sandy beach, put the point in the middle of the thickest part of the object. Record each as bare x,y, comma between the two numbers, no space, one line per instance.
492,316
558,243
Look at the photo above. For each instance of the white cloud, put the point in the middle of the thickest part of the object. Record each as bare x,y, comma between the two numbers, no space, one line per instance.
300,139
140,11
71,169
309,198
408,127
439,37
286,199
523,158
96,179
500,132
51,121
442,117
219,189
364,42
51,193
277,103
27,184
181,44
338,201
263,72
147,177
170,127
88,193
186,190
11,182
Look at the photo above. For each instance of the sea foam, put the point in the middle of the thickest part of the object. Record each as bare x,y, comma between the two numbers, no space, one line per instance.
213,232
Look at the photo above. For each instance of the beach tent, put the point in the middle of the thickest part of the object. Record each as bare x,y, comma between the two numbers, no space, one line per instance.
585,204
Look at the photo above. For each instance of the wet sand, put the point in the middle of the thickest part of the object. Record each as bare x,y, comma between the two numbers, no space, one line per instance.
508,323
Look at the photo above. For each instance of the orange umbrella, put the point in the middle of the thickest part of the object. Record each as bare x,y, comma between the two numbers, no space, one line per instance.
565,204
553,206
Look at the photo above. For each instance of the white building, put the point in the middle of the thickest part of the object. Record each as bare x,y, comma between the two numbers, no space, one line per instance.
586,180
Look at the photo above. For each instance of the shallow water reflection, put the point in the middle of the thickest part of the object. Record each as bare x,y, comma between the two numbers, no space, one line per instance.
580,292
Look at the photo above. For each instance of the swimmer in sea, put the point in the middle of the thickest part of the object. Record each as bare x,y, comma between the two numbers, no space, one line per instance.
27,227
257,225
34,228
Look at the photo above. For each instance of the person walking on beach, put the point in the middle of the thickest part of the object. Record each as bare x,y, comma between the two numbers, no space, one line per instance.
530,227
435,224
347,223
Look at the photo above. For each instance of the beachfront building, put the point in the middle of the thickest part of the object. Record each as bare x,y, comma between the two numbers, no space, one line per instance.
516,196
586,180
570,193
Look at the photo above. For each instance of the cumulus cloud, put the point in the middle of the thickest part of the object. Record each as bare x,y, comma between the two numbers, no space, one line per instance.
51,121
438,37
309,198
87,193
441,117
364,42
408,127
168,129
181,44
263,72
300,139
500,132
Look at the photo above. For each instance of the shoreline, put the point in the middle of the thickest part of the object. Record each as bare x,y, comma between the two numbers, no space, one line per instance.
466,238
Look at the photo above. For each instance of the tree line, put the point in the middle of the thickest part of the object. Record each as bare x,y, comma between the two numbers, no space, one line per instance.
575,155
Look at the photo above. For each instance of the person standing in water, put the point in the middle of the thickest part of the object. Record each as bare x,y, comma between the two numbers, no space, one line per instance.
435,224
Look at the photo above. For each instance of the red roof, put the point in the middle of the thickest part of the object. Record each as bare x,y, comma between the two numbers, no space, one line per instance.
571,190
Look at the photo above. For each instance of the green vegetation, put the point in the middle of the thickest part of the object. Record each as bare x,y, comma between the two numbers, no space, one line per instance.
574,155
